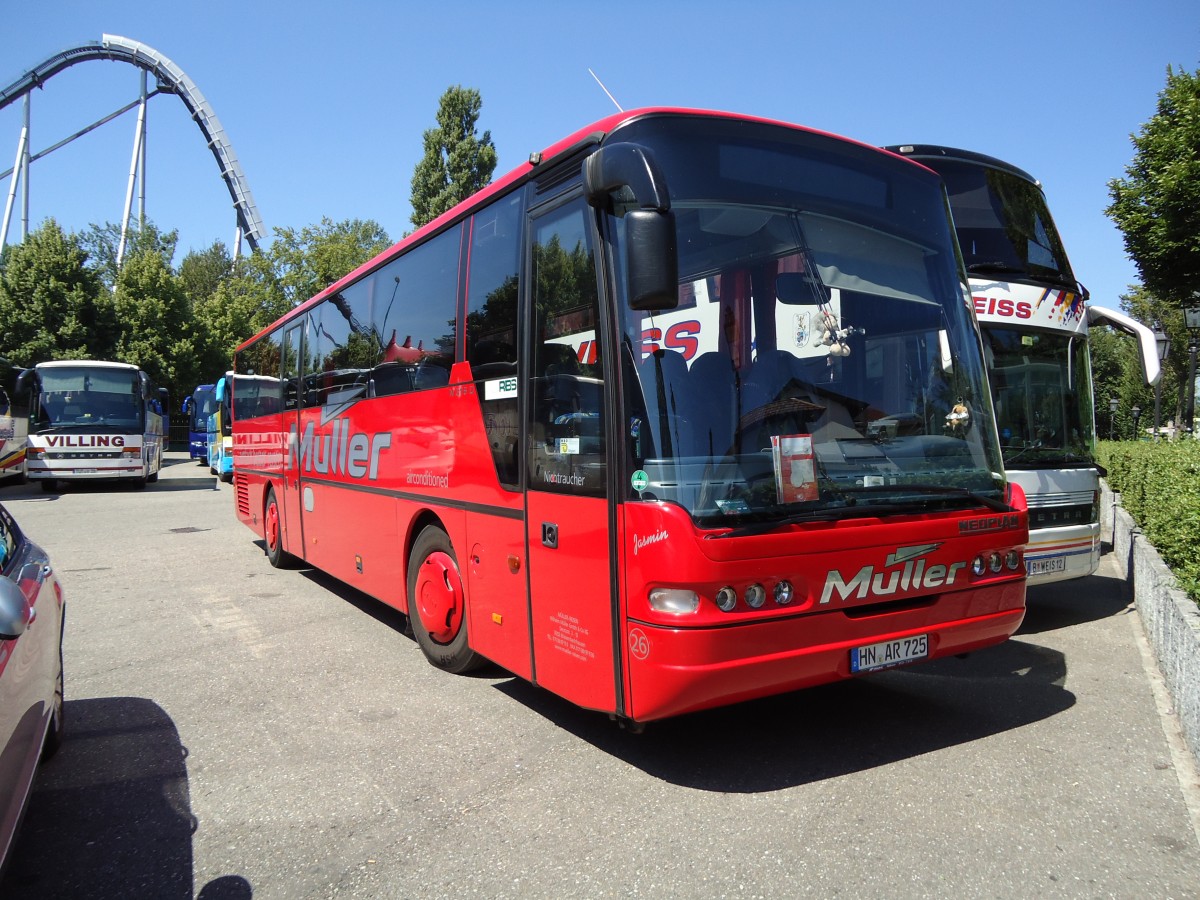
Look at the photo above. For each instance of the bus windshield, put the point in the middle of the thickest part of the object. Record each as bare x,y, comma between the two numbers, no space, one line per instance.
203,405
1043,403
822,361
1003,224
79,398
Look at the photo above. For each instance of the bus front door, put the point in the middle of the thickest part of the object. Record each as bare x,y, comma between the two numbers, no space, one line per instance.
293,522
572,602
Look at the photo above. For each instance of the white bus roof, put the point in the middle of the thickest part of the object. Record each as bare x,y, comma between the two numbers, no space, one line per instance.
91,363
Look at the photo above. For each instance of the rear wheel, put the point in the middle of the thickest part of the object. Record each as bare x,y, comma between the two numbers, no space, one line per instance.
437,603
273,534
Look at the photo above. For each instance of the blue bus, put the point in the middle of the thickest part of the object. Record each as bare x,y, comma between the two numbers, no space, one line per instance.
199,406
220,434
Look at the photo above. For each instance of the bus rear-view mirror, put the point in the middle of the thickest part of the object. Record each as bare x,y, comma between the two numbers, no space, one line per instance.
798,289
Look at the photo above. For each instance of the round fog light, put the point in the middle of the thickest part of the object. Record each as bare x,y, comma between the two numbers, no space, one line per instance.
756,596
783,593
726,599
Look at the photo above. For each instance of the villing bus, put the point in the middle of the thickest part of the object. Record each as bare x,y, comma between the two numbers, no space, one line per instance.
92,420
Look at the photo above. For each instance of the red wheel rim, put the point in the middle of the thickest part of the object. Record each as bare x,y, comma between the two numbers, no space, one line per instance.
272,526
438,597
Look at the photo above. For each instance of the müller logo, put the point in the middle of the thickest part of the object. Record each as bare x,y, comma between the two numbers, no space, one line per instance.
905,569
85,440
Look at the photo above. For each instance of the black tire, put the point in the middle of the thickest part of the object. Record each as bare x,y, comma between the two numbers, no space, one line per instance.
48,485
437,604
273,537
54,735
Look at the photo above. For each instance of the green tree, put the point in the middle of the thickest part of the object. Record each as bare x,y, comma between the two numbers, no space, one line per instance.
308,261
202,272
456,163
103,241
156,328
51,303
244,303
1157,204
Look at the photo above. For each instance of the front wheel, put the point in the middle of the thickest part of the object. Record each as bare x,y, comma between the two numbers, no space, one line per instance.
437,603
273,534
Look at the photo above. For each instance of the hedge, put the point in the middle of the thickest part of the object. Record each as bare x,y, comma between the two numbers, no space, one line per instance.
1159,486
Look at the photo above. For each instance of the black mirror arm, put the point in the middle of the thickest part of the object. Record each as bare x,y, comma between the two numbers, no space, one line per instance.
625,165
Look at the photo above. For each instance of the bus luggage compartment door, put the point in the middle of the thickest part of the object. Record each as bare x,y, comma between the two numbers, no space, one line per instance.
571,598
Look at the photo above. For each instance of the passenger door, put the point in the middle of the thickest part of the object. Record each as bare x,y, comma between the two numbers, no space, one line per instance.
289,426
572,594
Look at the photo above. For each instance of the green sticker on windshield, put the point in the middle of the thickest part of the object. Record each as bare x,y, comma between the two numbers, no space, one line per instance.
639,480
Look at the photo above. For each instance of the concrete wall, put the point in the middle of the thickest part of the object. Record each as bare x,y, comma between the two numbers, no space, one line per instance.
1170,618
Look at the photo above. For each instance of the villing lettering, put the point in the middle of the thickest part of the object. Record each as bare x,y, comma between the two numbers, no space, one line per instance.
85,440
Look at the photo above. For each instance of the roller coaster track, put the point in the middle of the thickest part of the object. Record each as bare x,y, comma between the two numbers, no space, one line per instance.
170,80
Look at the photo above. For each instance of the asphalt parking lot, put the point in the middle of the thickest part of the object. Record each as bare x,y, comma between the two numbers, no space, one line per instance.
237,731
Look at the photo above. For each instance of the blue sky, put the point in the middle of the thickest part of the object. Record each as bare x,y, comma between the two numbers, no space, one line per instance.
325,103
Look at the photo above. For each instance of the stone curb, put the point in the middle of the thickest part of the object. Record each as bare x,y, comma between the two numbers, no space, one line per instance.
1169,617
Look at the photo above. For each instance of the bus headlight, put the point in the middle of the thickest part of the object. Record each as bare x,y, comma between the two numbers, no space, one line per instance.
783,593
1012,560
978,565
674,600
995,561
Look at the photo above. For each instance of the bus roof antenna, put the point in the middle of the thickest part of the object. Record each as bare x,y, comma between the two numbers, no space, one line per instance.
606,91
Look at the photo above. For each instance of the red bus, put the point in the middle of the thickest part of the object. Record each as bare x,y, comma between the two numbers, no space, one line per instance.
689,409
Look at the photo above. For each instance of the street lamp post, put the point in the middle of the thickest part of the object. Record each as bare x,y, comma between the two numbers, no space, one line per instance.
1191,316
1136,412
1112,417
1163,345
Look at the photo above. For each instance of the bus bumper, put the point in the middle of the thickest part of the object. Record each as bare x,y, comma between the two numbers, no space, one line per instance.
685,670
1059,554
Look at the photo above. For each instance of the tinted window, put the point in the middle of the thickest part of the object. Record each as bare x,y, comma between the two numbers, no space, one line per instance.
567,380
492,335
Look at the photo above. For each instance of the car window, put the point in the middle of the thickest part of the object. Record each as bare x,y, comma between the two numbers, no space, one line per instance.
10,536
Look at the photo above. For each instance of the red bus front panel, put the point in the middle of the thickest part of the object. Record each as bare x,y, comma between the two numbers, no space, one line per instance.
853,583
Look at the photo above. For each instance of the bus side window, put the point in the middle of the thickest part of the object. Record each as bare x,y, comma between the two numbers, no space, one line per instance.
491,328
567,447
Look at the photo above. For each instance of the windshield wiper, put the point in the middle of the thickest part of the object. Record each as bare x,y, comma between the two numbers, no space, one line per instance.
1049,458
996,267
825,514
933,489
